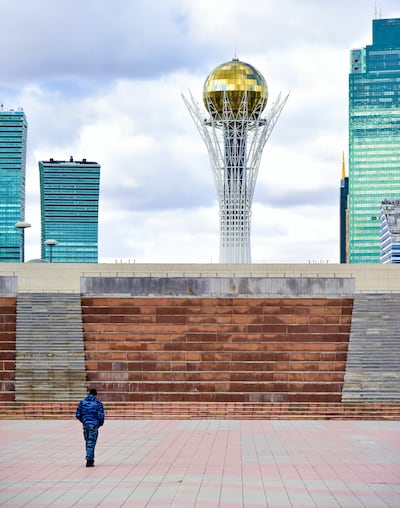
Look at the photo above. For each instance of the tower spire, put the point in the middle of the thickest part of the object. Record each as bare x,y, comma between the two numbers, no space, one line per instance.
235,95
343,167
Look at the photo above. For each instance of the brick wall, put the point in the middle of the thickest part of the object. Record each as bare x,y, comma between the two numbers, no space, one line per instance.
217,349
7,347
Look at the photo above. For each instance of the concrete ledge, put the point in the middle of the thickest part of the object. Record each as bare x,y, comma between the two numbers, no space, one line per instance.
65,277
8,285
329,287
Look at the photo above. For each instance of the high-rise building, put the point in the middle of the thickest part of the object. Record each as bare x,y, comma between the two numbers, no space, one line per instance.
374,137
344,191
235,132
390,231
69,199
13,133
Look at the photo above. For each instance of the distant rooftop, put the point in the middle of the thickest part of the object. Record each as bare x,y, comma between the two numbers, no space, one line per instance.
5,110
71,161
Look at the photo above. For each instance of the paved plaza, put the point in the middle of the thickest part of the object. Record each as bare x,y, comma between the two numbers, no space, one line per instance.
202,464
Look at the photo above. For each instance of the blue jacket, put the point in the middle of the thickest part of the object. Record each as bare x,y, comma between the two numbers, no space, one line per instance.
90,411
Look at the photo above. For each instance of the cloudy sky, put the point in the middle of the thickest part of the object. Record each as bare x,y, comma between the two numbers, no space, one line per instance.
102,80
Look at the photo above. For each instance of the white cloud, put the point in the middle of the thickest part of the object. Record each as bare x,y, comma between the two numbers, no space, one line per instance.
103,81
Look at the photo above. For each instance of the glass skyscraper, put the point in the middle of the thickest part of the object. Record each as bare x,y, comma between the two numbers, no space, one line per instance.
344,192
69,199
390,231
374,137
13,132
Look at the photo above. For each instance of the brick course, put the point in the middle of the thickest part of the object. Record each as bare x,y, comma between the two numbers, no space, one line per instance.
8,307
217,349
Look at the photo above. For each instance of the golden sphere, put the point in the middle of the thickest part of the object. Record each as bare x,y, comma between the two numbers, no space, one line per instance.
234,78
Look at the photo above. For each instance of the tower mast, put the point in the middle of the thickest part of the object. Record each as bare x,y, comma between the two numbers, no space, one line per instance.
235,133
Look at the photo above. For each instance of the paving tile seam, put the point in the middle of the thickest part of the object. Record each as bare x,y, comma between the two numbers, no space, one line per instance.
236,452
160,481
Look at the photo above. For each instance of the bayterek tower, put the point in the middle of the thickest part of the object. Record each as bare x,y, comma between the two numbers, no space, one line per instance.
235,131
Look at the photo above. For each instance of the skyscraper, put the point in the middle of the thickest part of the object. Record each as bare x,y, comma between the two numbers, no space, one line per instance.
235,95
69,199
344,191
390,231
13,132
374,137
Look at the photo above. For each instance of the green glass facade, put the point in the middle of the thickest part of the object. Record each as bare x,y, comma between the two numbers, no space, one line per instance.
13,133
69,198
374,137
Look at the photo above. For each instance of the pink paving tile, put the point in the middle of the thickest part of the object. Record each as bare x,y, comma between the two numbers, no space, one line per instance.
148,456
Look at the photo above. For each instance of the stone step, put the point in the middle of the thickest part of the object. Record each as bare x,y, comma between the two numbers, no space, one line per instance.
372,369
50,360
205,410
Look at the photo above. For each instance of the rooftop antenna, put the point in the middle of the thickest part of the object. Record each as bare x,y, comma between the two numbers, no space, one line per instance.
235,54
378,14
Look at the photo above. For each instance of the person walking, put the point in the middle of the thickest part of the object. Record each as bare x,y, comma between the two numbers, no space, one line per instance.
90,412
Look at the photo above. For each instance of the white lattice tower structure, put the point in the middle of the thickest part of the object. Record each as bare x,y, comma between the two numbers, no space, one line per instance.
235,138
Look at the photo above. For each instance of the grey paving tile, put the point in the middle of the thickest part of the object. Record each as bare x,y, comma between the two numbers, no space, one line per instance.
208,493
254,496
231,494
203,464
301,500
278,499
325,500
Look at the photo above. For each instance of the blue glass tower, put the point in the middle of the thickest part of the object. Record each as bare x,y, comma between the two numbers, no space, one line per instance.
13,133
374,137
69,199
344,192
390,231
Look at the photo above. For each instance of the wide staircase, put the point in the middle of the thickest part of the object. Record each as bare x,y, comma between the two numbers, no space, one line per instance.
50,360
182,358
7,347
209,410
373,361
257,350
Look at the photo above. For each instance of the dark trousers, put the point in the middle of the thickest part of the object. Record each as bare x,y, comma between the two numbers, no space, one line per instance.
90,433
